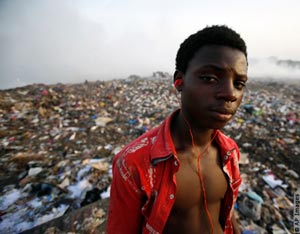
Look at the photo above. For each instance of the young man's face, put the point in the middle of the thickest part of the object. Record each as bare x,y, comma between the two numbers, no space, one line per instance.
213,86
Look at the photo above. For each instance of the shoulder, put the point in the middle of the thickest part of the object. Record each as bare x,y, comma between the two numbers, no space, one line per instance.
138,150
132,163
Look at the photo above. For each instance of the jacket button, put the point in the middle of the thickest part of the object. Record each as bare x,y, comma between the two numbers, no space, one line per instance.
171,196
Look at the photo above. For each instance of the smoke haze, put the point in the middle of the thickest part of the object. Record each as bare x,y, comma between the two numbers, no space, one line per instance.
269,68
54,41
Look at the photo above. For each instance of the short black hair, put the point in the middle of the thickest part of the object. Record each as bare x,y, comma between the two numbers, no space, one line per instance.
210,35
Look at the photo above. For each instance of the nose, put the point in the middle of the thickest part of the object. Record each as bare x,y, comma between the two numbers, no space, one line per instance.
227,91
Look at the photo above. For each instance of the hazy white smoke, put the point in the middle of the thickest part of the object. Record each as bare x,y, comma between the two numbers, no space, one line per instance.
46,42
268,68
50,41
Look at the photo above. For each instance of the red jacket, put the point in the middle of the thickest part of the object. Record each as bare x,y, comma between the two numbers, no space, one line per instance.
143,189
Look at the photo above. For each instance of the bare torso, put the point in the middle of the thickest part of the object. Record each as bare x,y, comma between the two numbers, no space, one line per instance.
188,215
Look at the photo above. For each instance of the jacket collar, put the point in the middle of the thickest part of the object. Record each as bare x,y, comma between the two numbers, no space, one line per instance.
163,146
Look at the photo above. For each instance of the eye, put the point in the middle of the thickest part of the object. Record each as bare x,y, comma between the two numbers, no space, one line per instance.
240,85
208,78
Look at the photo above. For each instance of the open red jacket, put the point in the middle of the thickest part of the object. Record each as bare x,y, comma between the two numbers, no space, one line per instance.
143,189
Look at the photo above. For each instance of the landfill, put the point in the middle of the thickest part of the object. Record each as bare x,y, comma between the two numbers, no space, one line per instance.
57,143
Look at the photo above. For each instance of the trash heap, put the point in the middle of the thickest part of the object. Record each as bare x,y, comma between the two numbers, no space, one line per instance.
57,143
267,129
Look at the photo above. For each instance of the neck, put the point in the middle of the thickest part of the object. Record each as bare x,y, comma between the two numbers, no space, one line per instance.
183,132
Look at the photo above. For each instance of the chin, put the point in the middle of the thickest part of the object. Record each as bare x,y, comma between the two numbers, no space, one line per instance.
217,126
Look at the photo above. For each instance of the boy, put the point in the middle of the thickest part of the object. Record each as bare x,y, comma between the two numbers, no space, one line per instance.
183,176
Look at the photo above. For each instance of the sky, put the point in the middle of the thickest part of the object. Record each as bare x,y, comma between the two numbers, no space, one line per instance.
70,41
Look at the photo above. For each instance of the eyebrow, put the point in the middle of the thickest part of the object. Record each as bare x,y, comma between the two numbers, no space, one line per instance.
224,69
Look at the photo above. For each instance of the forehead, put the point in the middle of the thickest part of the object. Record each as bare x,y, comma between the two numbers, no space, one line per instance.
220,56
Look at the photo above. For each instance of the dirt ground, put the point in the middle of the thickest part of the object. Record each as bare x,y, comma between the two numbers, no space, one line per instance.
75,222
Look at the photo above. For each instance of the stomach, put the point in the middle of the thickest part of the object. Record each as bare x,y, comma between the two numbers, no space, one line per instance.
194,221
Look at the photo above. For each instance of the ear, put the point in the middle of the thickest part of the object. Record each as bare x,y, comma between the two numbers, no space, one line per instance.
178,80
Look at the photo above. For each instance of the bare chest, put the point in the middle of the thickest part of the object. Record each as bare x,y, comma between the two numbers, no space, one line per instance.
189,189
188,214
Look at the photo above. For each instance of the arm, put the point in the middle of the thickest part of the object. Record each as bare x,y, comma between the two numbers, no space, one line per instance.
125,202
235,225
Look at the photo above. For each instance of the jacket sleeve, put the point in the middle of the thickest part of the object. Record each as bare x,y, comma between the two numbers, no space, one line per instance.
125,201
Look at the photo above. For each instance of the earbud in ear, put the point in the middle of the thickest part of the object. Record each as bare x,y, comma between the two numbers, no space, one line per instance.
178,82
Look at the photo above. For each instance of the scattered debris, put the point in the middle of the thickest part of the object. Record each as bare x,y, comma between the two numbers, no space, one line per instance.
57,143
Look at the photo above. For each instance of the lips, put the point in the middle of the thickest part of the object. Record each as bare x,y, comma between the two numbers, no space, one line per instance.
223,110
222,113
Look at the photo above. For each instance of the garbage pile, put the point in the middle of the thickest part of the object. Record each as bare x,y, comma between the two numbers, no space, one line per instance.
267,131
57,143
